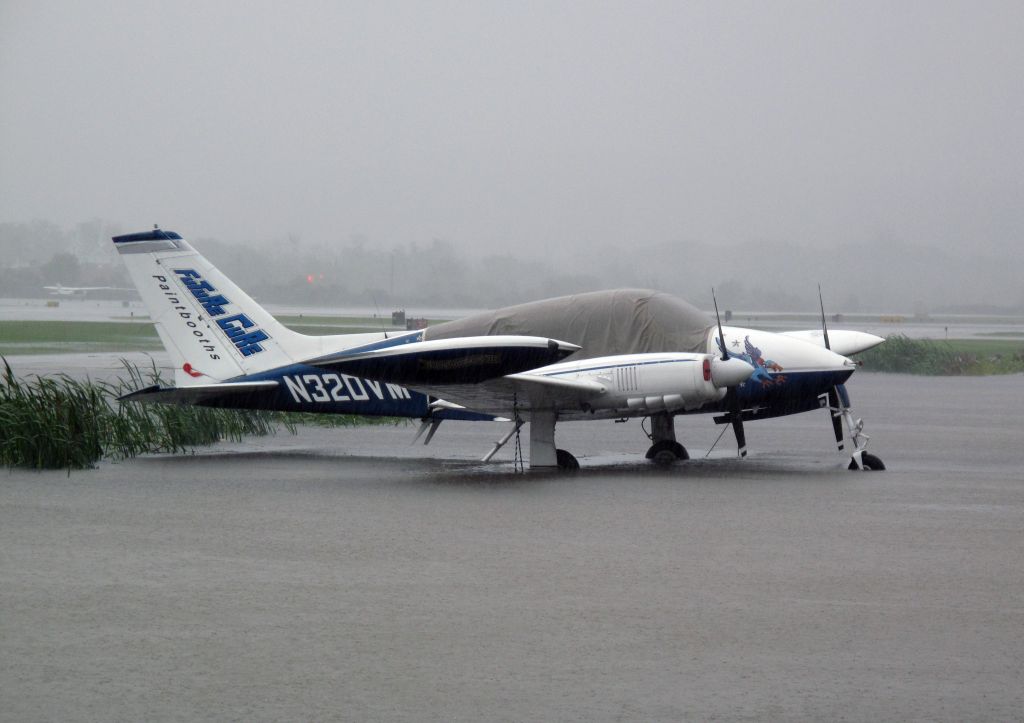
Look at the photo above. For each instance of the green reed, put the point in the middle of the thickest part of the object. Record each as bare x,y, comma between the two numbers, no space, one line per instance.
957,357
57,422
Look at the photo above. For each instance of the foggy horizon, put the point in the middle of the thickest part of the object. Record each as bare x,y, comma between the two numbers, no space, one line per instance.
875,148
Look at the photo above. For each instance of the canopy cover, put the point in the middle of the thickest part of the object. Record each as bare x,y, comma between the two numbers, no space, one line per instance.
603,323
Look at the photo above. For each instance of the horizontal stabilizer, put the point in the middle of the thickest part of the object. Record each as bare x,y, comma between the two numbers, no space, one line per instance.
462,360
197,394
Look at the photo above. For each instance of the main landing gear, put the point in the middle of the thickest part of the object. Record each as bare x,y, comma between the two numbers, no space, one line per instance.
665,450
542,443
565,460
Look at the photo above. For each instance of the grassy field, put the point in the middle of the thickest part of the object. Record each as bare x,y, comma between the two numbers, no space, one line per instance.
1010,334
56,337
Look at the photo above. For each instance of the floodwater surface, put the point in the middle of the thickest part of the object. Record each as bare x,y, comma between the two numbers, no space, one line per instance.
348,575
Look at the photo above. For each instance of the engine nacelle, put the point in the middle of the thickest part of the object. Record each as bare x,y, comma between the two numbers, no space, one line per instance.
649,383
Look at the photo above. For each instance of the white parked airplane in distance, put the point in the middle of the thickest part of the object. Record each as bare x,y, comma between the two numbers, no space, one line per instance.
601,355
61,290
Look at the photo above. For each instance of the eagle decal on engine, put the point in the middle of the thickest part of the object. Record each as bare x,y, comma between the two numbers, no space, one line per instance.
764,369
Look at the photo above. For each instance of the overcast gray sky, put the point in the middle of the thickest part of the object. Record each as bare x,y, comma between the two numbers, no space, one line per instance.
525,126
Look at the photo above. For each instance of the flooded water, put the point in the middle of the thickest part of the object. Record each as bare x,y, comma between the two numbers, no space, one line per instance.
347,575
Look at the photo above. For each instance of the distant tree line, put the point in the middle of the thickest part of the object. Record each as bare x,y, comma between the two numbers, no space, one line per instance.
355,271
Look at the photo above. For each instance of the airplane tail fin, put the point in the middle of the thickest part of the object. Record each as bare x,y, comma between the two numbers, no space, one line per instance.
212,329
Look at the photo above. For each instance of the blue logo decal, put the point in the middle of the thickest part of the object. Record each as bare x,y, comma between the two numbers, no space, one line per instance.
239,328
201,289
247,342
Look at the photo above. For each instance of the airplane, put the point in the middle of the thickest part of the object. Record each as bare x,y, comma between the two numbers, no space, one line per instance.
61,290
612,354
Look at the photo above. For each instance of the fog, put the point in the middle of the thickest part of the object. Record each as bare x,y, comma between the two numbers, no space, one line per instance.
534,148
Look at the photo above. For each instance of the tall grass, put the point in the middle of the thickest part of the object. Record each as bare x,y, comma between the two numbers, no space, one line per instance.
60,422
51,422
176,428
946,358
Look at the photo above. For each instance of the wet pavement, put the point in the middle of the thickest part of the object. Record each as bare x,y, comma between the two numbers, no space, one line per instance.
348,575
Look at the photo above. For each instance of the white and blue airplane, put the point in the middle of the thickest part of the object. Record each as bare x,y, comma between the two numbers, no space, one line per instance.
600,355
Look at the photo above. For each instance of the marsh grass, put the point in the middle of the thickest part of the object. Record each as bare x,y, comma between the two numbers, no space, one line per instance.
58,422
964,357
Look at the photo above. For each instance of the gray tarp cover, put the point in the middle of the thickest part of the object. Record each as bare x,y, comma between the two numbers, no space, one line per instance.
620,321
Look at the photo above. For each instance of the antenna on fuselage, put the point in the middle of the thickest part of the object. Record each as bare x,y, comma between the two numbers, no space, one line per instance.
376,306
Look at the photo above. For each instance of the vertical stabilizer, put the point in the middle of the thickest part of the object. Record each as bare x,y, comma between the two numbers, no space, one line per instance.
212,329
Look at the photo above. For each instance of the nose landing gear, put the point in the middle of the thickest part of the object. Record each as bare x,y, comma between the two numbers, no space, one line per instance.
860,459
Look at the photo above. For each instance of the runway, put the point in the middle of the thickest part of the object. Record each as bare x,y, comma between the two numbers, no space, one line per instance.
346,575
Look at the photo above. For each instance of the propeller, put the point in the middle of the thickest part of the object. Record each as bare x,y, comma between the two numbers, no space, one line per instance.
732,397
833,392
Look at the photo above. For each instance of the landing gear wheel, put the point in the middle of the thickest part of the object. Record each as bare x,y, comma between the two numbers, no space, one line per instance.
666,452
870,462
565,460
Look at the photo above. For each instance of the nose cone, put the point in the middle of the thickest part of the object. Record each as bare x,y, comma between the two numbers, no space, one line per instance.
729,372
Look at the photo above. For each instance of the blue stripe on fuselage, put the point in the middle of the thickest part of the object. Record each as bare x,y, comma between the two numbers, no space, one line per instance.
784,387
154,235
797,392
399,340
616,366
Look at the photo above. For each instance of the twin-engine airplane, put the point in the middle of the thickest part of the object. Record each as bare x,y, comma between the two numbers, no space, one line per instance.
601,355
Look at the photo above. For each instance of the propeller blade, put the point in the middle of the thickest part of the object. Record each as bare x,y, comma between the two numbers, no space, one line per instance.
736,417
837,422
721,334
824,326
833,393
732,397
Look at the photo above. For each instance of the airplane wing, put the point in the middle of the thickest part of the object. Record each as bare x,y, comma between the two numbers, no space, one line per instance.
522,392
442,362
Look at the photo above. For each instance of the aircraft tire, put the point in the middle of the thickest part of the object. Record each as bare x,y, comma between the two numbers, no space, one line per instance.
666,452
566,461
871,463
